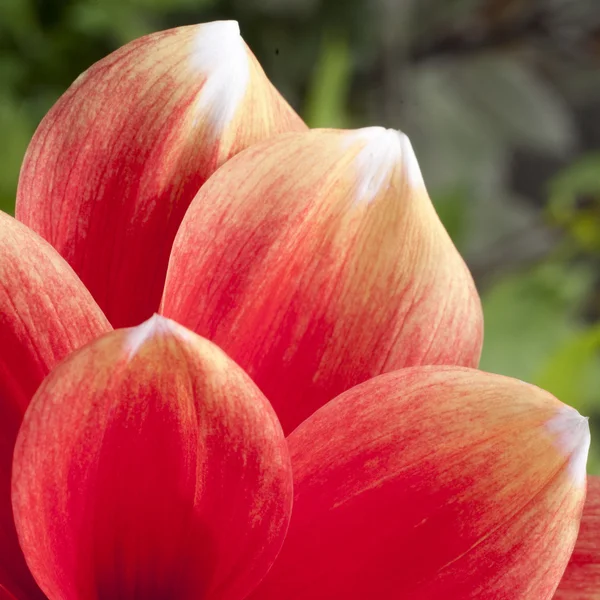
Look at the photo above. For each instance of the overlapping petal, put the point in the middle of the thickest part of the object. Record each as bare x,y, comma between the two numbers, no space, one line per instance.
581,580
430,483
149,465
6,595
45,314
114,165
316,260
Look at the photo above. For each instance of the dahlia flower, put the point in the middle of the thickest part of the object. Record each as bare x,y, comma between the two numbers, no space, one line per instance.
304,418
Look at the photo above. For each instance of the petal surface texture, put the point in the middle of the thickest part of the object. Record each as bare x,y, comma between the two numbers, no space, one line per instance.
114,165
316,261
581,580
149,465
45,314
431,483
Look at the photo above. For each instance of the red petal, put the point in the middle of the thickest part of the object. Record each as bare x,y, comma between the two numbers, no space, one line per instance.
114,165
432,483
149,465
6,595
316,261
581,580
45,314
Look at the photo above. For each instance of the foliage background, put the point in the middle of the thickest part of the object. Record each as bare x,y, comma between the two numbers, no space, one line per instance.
501,99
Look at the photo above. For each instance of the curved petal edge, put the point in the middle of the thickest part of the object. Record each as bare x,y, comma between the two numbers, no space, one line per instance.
429,483
316,261
581,580
150,465
114,165
45,314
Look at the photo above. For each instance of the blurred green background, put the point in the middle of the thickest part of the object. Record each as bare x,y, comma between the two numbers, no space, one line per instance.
501,99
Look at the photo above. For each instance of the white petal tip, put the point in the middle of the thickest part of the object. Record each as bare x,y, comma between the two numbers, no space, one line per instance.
156,325
571,432
223,29
219,55
383,151
412,169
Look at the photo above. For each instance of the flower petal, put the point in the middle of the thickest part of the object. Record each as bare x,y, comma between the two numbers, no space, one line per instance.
114,165
581,580
6,595
316,261
149,465
430,483
45,314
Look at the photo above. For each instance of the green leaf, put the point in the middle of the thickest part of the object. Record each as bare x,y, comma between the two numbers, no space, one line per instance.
451,207
575,201
529,317
17,129
572,372
326,103
121,21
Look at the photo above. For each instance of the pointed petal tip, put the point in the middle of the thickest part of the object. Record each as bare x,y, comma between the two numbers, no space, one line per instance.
383,150
156,325
220,53
228,27
196,96
571,432
410,162
220,35
175,460
463,531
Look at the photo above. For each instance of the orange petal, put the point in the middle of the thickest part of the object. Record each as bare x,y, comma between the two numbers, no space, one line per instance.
316,260
45,314
431,483
581,580
114,165
149,465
